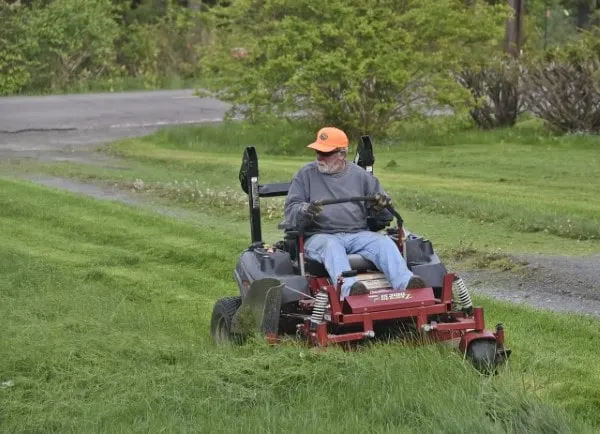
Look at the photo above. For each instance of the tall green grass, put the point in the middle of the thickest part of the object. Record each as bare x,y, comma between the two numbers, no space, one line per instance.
274,137
120,84
105,315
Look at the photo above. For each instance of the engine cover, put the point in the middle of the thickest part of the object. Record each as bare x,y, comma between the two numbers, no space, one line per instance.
260,263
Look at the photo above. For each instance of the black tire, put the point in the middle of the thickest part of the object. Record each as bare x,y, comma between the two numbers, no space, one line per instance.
220,324
482,354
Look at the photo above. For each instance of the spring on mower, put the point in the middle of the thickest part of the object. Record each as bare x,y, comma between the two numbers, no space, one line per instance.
460,289
321,302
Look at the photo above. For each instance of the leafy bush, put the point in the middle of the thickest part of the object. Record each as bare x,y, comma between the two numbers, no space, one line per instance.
361,65
563,86
14,62
72,42
165,46
63,44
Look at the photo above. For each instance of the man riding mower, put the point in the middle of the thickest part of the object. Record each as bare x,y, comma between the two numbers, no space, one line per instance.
341,275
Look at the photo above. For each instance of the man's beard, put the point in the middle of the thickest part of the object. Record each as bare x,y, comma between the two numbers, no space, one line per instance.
333,167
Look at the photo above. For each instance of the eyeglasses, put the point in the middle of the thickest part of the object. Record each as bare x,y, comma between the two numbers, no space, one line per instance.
328,154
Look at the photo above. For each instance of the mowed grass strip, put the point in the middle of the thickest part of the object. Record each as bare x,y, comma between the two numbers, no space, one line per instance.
218,192
105,316
539,200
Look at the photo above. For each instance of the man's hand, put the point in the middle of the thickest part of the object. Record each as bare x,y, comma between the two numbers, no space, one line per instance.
381,201
312,209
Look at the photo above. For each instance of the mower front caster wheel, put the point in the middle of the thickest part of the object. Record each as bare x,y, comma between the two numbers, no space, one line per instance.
483,355
220,324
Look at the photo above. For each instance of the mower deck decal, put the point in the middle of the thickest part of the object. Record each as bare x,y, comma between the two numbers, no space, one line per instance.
390,296
388,300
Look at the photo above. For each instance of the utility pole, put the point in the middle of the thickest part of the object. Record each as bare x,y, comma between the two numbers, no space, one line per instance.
546,18
514,28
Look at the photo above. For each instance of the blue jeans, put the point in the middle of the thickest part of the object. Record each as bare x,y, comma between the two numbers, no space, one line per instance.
331,250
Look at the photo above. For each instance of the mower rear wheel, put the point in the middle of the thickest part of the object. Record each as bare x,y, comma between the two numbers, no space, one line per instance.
482,354
220,324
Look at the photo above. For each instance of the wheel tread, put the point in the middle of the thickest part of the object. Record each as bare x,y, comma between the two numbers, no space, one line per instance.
224,308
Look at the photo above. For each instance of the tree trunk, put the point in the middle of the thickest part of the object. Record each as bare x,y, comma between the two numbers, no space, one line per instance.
514,28
583,14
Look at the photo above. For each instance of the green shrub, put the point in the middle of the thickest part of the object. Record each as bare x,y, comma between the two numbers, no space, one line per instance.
58,45
167,45
362,65
14,60
74,41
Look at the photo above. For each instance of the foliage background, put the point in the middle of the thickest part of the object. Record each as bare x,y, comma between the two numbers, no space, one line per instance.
362,65
69,45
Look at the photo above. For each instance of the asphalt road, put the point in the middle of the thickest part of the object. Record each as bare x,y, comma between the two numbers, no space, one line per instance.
38,124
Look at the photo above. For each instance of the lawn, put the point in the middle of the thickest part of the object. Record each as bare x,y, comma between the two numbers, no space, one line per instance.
105,307
105,313
496,179
490,191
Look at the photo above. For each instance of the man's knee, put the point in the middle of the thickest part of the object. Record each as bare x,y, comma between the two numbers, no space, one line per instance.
321,244
379,245
320,241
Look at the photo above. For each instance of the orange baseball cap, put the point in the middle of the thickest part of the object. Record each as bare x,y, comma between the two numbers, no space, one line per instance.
328,139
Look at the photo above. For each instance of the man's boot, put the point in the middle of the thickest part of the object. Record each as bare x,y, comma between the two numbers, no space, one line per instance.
358,288
416,282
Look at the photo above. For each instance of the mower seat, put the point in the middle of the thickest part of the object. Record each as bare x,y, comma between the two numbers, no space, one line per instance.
357,262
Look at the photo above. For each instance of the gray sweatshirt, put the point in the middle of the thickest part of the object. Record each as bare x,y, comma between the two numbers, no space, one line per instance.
311,185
